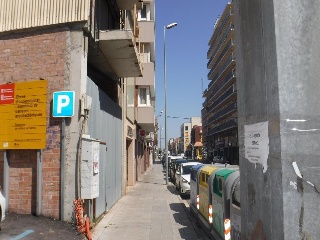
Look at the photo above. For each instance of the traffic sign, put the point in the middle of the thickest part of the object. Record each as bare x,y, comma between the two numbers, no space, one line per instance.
63,104
142,133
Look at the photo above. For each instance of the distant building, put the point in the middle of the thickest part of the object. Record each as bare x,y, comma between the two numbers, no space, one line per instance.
219,113
185,130
195,148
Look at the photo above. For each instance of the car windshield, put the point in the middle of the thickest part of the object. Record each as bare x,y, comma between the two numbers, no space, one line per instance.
186,169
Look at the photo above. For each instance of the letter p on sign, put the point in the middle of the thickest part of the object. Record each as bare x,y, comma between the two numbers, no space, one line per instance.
63,104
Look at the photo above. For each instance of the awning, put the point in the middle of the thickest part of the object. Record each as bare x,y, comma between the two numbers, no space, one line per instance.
198,144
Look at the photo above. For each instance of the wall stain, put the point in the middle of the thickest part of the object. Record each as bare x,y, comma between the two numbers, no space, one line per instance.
251,195
301,218
258,232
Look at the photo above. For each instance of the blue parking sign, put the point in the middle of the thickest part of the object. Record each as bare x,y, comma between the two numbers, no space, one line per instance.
63,104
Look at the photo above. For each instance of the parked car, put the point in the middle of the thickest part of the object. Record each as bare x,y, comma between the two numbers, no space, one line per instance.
173,166
2,207
219,159
183,177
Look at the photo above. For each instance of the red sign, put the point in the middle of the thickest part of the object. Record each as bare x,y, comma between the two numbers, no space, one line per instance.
7,93
142,133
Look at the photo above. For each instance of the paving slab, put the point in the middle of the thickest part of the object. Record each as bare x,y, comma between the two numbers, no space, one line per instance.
150,210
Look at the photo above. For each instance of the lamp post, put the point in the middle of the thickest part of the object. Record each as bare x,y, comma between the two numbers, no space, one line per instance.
160,138
171,25
160,128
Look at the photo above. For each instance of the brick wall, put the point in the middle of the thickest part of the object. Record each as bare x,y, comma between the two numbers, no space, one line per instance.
30,56
23,181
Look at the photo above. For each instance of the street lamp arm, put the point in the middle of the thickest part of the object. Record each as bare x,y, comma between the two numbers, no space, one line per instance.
178,117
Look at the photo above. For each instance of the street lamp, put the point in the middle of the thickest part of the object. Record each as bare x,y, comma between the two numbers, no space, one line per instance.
171,25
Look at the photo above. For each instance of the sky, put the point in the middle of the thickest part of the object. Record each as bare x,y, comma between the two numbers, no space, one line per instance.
186,58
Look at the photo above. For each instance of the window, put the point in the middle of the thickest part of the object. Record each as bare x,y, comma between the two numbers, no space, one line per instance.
144,13
186,128
144,96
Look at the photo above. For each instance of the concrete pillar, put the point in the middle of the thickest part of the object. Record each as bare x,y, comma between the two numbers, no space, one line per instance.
277,51
76,80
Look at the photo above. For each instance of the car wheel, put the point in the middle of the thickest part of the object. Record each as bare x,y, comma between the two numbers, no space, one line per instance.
180,190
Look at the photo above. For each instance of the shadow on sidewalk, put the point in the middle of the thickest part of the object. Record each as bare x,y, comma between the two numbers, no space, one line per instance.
172,189
183,217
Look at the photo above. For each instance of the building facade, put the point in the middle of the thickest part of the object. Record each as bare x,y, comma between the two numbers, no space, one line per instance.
95,50
185,133
219,112
195,148
140,100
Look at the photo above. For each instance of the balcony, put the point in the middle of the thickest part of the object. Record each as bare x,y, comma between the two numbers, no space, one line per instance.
229,96
217,46
148,77
226,17
117,55
148,34
222,85
233,123
226,69
218,61
145,118
223,113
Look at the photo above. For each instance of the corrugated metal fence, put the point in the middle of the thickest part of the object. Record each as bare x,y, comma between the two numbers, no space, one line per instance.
105,124
20,14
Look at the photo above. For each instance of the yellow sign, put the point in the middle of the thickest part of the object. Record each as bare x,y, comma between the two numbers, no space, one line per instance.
23,115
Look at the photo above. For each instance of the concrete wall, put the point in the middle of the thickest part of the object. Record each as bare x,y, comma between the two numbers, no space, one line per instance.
277,52
75,80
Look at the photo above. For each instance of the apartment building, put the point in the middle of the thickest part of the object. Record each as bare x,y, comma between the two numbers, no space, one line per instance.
219,112
79,55
140,99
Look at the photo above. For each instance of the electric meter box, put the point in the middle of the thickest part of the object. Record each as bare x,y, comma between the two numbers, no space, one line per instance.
89,168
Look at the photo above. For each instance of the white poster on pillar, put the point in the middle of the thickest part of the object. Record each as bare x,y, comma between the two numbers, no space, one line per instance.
256,143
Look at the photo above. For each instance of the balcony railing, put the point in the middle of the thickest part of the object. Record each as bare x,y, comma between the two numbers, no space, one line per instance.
229,109
219,30
233,123
227,48
232,90
224,37
221,85
222,68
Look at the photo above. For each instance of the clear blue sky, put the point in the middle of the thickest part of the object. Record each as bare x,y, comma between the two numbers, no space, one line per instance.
186,57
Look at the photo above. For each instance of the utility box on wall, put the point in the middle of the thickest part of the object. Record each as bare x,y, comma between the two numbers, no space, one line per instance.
89,168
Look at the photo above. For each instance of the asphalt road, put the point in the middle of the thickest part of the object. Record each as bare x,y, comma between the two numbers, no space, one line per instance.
29,227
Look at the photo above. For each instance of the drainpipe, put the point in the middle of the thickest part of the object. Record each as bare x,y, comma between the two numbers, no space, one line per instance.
39,182
6,178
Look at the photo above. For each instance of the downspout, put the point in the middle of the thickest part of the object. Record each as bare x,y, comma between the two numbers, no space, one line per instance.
39,182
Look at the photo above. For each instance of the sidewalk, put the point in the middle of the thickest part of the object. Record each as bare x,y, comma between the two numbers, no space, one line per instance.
151,210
